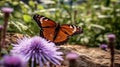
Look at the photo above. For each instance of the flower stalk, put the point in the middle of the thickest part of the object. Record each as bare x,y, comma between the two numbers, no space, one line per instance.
6,12
112,51
6,16
111,38
1,27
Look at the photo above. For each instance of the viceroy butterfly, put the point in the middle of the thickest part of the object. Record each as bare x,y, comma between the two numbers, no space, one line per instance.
55,32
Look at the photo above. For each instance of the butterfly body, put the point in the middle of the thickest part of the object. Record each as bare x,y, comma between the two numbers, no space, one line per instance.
55,32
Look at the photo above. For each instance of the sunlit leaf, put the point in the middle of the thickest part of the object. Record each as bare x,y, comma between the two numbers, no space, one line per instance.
26,18
97,26
31,3
40,7
15,3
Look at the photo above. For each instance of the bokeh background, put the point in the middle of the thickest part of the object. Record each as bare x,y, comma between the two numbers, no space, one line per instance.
97,18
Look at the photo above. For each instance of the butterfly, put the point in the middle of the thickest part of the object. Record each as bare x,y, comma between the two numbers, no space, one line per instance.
52,31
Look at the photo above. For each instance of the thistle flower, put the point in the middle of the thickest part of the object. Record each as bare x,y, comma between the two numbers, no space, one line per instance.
111,37
13,61
72,55
37,50
6,12
72,58
104,46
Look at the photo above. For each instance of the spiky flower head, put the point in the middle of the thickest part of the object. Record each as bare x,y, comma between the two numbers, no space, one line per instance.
7,9
72,56
39,50
111,37
13,61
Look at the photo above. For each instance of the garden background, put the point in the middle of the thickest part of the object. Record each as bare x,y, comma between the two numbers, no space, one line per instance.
96,17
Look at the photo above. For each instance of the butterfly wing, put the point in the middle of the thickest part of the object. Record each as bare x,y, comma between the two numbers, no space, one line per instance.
44,22
61,37
47,26
71,29
65,31
53,31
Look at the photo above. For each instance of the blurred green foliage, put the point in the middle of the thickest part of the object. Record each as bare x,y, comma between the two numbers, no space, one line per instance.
97,17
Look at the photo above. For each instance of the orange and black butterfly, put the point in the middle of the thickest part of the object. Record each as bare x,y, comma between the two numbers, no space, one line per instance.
55,32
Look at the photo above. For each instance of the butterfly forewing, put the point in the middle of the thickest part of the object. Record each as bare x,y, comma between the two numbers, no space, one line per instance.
47,23
44,21
47,26
71,29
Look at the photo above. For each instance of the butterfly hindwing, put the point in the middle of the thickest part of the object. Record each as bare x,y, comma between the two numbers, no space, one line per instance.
61,37
48,33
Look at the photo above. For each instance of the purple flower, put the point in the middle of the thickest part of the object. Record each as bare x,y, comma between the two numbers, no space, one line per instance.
7,10
13,61
71,56
37,49
111,37
104,46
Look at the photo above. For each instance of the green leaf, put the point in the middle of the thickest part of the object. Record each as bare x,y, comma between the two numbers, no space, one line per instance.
27,18
15,3
40,7
31,3
97,26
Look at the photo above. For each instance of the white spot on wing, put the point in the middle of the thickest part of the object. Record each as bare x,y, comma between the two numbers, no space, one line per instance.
74,27
46,19
41,19
71,26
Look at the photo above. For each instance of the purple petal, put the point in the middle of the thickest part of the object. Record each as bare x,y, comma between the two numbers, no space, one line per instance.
7,9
